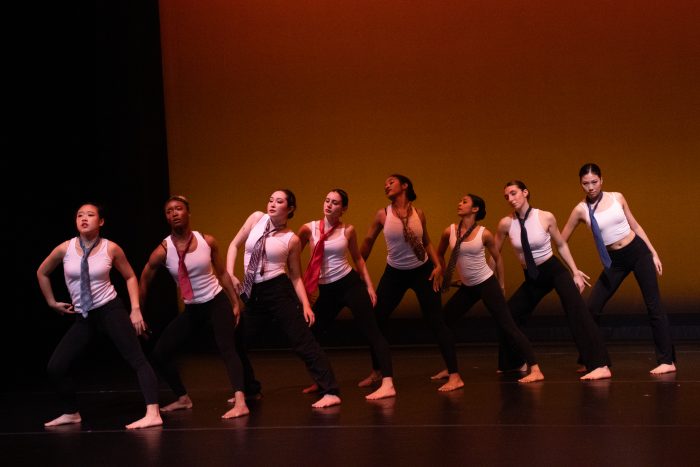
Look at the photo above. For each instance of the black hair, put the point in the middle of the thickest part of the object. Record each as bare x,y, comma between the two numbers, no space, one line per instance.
520,185
590,168
179,198
478,202
410,192
343,196
100,208
291,201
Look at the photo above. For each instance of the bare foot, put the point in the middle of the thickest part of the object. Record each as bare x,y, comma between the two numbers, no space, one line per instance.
240,408
310,389
520,369
535,375
249,397
440,375
328,400
182,402
581,369
454,381
152,418
664,368
385,390
602,372
373,378
65,419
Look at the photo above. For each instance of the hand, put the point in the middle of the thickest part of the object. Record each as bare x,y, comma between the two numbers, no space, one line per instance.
436,277
137,321
372,296
309,316
64,308
657,263
237,286
236,311
580,281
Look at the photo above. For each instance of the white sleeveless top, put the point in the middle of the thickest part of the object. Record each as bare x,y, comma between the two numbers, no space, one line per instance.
612,221
471,262
100,286
539,239
276,252
334,265
205,284
399,252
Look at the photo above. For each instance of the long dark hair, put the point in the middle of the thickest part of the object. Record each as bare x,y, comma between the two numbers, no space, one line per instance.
410,192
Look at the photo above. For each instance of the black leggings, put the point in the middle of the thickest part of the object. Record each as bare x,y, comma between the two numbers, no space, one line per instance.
219,311
112,319
276,300
490,292
636,258
351,292
553,275
393,286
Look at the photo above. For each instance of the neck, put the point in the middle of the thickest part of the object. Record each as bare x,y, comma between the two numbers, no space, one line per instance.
181,232
331,220
278,223
400,201
593,200
523,209
467,221
88,238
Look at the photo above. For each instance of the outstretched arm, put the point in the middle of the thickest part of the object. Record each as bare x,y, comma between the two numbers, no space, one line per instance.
360,264
132,285
373,233
575,218
237,242
637,229
436,275
580,279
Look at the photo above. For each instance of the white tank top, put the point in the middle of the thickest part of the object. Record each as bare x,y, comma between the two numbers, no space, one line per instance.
205,284
612,221
538,238
100,286
471,262
400,255
335,263
276,251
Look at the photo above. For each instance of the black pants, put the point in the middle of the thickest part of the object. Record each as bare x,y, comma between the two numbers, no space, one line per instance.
393,286
219,312
490,292
636,258
553,275
351,292
112,319
275,300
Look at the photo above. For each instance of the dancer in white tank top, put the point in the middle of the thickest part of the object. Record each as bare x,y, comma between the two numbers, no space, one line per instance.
107,313
341,286
411,264
629,250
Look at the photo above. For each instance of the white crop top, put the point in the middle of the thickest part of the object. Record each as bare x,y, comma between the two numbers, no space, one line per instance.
276,252
100,286
335,263
612,221
539,239
205,284
471,262
400,255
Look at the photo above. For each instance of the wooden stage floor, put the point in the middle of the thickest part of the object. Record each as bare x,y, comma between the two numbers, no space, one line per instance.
634,419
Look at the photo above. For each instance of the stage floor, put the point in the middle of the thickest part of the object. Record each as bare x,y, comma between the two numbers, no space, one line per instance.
633,419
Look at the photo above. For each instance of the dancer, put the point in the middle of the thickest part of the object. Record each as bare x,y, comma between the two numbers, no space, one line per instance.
531,232
192,258
87,260
623,247
409,259
340,285
273,288
477,281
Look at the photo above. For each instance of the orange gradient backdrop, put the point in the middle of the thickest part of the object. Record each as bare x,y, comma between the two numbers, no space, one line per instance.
458,95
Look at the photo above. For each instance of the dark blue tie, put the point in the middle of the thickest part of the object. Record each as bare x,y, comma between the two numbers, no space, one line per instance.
527,251
597,236
85,293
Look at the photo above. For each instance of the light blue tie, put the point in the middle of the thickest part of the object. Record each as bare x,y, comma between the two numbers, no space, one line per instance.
597,236
85,293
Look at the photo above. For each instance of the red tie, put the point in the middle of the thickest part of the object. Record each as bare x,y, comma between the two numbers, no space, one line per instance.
183,279
314,270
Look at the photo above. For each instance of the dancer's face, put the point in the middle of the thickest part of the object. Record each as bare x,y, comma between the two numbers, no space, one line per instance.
591,184
277,206
88,220
177,214
465,206
333,205
515,196
393,187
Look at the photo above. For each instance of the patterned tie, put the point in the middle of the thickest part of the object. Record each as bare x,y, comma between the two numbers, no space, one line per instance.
453,257
414,242
313,272
597,236
85,293
527,251
183,279
255,256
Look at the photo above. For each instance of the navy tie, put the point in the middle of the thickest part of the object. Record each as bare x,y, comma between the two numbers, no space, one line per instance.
85,293
597,236
527,251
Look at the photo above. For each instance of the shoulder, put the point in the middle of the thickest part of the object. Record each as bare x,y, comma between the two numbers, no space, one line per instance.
211,241
255,217
349,230
504,223
113,249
